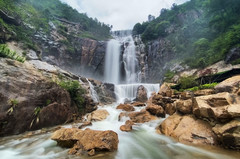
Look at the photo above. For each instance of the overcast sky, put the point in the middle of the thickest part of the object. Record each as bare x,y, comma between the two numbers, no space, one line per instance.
122,14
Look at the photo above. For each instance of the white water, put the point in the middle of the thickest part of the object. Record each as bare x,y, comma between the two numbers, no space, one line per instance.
128,92
112,65
142,143
130,60
93,92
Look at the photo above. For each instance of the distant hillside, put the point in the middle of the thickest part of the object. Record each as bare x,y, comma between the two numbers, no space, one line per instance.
200,32
32,16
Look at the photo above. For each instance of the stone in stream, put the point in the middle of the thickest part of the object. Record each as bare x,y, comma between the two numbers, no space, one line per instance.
126,107
156,110
128,126
137,117
141,94
85,124
98,115
86,141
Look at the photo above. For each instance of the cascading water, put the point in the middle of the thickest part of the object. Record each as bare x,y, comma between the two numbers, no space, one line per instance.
93,92
142,143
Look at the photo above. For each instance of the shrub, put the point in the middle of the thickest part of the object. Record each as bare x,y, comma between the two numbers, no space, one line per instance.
75,90
187,82
169,75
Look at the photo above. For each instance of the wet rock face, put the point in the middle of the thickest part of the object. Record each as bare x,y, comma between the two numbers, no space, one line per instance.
233,55
141,94
30,100
188,129
87,141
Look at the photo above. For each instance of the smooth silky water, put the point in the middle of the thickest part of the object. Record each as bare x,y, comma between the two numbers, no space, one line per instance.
141,143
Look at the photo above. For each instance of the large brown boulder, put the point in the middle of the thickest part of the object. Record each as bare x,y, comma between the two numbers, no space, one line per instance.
204,92
184,106
98,115
156,110
87,141
229,134
126,107
221,106
138,104
229,85
30,99
141,94
187,129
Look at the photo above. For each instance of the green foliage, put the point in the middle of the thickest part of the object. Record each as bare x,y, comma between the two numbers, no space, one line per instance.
7,53
187,82
75,90
169,75
205,86
48,102
201,32
13,103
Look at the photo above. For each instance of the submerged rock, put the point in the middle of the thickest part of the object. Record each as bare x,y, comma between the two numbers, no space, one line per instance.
87,141
187,129
137,117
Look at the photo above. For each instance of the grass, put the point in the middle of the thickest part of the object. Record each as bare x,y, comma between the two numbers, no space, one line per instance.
5,52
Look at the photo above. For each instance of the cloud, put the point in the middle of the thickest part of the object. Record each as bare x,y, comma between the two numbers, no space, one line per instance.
122,14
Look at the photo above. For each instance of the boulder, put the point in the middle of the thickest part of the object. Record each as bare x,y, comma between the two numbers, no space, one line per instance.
138,104
184,106
137,117
30,100
156,110
128,126
126,107
229,85
98,115
87,141
170,108
221,106
141,94
165,89
187,129
229,134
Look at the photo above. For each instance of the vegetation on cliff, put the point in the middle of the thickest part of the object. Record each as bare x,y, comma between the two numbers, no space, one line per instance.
201,31
33,16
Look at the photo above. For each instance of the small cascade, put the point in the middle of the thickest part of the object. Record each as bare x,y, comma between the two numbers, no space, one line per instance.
112,62
93,92
128,92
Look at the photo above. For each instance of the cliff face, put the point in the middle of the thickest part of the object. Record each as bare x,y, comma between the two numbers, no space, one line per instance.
160,55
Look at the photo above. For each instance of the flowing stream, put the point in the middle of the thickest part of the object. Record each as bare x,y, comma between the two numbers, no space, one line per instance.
142,143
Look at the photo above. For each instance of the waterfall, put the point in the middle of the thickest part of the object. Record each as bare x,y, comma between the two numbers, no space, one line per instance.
127,92
112,59
130,60
93,92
